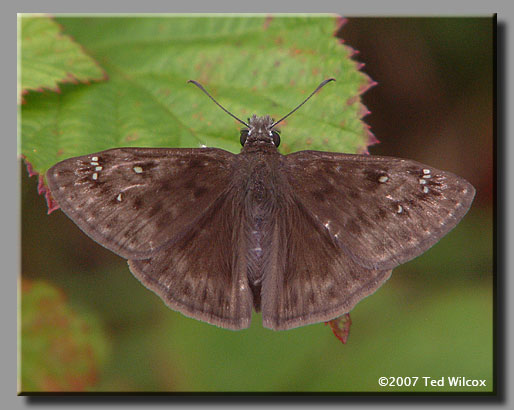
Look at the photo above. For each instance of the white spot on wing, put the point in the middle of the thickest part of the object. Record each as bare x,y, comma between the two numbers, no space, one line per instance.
94,159
138,170
399,209
383,178
95,176
422,181
425,190
98,168
426,171
119,197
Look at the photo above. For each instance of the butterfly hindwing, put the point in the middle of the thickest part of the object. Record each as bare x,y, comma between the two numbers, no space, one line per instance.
311,278
204,273
133,201
382,211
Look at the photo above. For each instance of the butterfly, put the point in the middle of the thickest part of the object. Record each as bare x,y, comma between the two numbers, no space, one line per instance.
300,237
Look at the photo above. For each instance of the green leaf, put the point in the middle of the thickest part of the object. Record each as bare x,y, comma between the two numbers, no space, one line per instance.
262,65
60,349
48,57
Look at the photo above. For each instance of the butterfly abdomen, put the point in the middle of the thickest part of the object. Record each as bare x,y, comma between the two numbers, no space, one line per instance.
258,236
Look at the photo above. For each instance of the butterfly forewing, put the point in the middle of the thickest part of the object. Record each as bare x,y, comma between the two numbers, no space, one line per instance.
381,211
134,201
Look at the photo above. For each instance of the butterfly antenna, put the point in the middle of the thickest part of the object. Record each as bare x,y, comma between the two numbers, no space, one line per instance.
314,92
200,86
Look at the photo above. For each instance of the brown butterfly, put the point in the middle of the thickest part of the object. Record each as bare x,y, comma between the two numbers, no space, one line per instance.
301,237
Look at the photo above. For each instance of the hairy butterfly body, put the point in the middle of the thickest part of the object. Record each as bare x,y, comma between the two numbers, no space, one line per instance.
301,237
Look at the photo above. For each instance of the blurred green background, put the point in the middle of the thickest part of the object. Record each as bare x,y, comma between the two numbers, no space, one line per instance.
434,317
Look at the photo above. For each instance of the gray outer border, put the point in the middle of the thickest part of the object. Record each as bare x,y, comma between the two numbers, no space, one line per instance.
11,236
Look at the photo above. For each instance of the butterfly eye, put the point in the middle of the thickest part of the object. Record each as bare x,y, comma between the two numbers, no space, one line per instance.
276,138
243,137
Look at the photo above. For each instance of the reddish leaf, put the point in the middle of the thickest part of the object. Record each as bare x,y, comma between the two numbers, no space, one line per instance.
341,327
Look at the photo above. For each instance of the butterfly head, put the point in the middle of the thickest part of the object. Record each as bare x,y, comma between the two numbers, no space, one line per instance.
260,131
